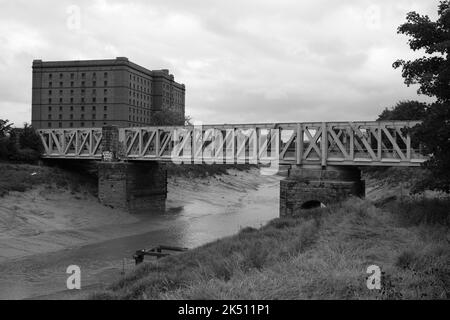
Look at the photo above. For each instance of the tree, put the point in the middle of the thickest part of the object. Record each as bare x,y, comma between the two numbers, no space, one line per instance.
5,128
29,139
188,120
169,118
19,144
432,74
166,118
405,110
434,133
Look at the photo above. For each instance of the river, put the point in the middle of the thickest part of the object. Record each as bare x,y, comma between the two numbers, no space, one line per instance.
187,223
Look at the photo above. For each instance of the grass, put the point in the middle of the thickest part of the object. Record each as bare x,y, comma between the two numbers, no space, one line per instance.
323,255
22,177
409,177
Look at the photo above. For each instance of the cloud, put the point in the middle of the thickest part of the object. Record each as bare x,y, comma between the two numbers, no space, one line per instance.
246,61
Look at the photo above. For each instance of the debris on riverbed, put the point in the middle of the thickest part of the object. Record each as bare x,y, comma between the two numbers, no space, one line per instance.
156,252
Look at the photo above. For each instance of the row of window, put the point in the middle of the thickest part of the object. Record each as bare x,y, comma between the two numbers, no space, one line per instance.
139,79
82,117
139,95
138,103
171,101
94,108
140,119
178,98
82,100
139,88
83,91
93,124
72,84
139,111
49,125
72,75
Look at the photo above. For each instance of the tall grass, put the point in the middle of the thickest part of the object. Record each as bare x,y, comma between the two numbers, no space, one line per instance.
322,255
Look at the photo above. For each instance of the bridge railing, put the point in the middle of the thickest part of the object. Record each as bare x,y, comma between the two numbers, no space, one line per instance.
326,143
72,142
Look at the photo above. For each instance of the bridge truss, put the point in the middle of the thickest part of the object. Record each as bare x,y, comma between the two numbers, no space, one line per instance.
326,143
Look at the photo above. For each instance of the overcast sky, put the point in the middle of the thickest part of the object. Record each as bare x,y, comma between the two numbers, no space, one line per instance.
241,61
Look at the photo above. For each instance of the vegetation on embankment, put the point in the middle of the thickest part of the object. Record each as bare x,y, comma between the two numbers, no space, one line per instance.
412,179
74,177
323,255
22,177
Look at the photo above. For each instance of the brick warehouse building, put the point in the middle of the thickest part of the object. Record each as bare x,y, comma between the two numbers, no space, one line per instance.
93,93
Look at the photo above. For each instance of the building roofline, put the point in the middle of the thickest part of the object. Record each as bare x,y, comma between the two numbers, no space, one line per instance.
119,61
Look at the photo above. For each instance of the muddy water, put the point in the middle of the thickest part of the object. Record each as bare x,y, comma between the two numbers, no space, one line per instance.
188,224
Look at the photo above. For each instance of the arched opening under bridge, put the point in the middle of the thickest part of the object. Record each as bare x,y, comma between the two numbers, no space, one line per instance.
312,204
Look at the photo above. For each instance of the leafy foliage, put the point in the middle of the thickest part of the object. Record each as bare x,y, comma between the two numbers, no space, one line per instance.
29,139
19,144
405,110
169,118
432,74
434,132
5,128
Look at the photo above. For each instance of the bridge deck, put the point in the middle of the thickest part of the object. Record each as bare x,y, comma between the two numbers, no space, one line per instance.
373,143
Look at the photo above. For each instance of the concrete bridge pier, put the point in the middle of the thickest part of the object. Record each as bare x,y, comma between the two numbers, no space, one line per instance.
307,187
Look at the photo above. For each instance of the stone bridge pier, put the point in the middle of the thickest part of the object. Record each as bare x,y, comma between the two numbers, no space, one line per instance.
307,187
136,186
133,186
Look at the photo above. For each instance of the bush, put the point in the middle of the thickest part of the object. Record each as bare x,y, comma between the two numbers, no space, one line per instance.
423,212
19,144
29,139
25,155
4,153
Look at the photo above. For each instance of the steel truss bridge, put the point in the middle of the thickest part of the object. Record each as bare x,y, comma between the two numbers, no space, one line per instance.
373,143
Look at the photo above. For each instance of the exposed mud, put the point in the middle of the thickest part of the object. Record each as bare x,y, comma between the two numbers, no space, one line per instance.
44,230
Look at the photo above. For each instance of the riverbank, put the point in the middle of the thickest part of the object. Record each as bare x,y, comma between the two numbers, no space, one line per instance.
323,255
45,209
55,221
48,227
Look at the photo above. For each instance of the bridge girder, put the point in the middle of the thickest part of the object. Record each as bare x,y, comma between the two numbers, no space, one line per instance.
372,143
